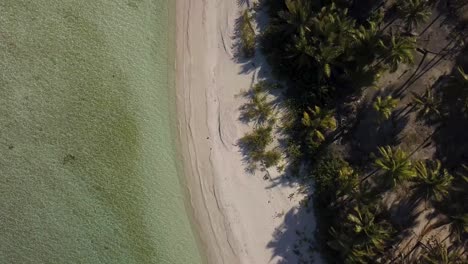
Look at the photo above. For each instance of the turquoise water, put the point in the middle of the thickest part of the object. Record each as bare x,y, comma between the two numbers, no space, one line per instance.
88,164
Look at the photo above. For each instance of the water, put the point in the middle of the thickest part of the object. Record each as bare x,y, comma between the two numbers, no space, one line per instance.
88,167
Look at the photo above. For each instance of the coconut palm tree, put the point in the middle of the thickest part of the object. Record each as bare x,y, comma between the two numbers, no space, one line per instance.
257,109
398,50
385,106
426,104
318,121
414,12
301,51
296,18
365,39
395,165
458,225
437,252
363,237
431,181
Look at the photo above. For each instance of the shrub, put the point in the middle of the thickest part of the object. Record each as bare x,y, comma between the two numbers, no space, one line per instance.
271,158
257,140
247,35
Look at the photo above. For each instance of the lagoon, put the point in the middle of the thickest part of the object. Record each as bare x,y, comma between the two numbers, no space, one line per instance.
87,147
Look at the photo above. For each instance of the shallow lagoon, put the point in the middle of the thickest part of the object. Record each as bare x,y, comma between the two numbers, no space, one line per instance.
89,172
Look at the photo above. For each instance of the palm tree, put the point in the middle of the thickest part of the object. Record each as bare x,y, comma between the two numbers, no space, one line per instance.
437,252
459,79
363,237
332,29
398,50
247,35
365,40
426,104
395,165
385,106
318,121
257,109
430,181
296,18
458,225
301,51
414,12
347,181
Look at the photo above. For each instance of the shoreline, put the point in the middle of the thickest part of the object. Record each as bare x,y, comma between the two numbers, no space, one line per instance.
238,217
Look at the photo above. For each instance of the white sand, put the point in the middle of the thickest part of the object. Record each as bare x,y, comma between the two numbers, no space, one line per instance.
241,218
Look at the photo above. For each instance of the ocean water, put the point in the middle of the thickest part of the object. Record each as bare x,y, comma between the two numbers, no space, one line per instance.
88,167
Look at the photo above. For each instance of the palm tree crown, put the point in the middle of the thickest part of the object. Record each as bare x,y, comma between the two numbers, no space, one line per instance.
399,50
395,165
432,182
414,12
437,252
385,106
297,17
318,121
426,104
362,236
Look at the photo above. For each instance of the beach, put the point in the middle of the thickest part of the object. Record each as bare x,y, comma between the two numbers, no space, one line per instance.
239,217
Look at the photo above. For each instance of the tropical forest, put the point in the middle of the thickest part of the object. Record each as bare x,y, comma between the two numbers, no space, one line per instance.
366,108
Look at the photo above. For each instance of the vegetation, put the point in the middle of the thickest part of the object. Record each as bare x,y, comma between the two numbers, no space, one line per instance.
257,109
427,104
384,107
398,50
414,12
395,166
328,53
247,34
317,122
362,237
438,253
431,182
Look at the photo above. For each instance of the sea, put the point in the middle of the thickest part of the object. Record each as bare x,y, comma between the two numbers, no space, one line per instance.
89,169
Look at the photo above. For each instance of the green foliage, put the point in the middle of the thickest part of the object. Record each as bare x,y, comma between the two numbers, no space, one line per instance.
325,172
459,225
384,107
247,34
317,122
398,50
414,12
365,39
256,141
347,182
436,252
395,166
271,158
293,150
427,104
431,181
361,237
255,144
296,18
257,109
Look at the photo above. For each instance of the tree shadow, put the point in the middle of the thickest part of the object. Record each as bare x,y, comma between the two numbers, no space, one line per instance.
369,133
451,138
293,240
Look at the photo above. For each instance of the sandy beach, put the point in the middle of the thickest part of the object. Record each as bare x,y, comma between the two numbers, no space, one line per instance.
240,217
